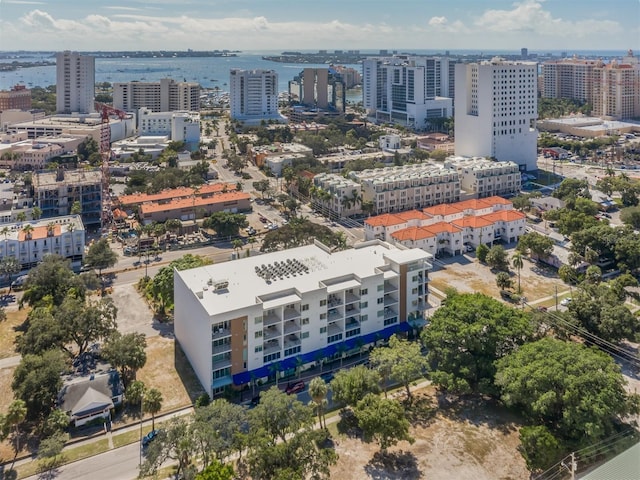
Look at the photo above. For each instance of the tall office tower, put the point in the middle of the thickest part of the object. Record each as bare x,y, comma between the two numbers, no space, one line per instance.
253,94
75,82
408,90
496,111
569,78
616,89
166,95
322,88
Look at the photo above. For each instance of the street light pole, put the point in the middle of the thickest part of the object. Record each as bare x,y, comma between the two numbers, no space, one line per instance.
140,460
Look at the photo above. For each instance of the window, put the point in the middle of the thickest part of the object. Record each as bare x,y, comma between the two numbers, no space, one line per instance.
364,291
305,321
323,316
381,313
304,335
305,307
414,291
258,320
258,349
364,305
323,302
414,278
364,318
380,300
259,334
323,329
380,288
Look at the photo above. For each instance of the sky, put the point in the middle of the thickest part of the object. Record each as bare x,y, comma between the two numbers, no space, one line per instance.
258,25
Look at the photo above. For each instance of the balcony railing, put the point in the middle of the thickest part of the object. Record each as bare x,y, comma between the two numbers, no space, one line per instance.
290,313
271,319
221,348
334,315
271,347
220,333
351,324
271,332
389,300
389,313
388,288
351,298
291,327
291,341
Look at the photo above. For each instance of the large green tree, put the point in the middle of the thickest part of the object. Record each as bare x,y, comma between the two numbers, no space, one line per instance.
382,420
226,224
351,386
126,352
100,256
403,361
300,231
467,335
497,258
37,381
577,392
51,282
220,429
535,244
160,289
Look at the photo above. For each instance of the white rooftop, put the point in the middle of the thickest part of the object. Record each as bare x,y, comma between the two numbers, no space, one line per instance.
245,283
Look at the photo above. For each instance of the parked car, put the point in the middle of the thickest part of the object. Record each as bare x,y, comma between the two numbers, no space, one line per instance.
149,437
19,282
294,388
565,301
327,376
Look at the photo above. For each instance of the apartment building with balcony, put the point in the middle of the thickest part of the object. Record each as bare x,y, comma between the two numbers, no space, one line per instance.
55,192
415,186
178,126
335,194
166,95
450,228
272,313
31,241
480,177
253,95
75,82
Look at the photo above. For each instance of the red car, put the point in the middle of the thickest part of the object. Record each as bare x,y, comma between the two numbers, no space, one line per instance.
294,388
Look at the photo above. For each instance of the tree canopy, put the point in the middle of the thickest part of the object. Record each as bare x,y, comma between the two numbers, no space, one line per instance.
351,386
467,335
298,232
125,352
51,282
401,361
226,224
382,421
576,391
100,256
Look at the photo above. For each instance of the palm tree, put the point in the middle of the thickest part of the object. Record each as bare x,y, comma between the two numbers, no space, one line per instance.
36,213
71,228
318,392
28,232
503,281
517,263
275,368
237,246
16,414
152,403
21,217
5,231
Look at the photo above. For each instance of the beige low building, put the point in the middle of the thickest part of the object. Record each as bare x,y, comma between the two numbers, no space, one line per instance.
341,195
196,207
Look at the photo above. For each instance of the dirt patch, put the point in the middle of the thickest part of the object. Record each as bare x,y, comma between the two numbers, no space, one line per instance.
8,331
168,370
474,441
6,377
471,276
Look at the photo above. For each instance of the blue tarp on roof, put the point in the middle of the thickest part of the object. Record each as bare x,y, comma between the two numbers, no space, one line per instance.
328,351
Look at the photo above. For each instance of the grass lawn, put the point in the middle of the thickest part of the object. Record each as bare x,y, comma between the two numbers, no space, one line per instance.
8,333
169,371
130,437
71,455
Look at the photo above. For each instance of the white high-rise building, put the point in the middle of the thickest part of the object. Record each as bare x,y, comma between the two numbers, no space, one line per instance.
408,90
254,95
166,95
75,82
496,111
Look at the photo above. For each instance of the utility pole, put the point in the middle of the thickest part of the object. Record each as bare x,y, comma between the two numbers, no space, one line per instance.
574,466
556,298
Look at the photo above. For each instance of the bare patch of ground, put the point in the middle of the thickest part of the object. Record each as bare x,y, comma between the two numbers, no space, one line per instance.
6,377
469,441
169,371
471,276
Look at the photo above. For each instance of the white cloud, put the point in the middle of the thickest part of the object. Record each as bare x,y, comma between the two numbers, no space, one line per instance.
436,21
126,9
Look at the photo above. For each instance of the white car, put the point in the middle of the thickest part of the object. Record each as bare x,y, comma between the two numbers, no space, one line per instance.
565,301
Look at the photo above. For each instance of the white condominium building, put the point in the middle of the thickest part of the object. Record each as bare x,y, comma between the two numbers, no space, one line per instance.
481,177
259,316
179,126
396,189
408,90
75,82
496,111
166,95
253,95
30,241
335,194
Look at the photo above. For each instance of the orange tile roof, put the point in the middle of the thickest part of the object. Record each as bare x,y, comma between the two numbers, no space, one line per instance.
39,232
172,193
504,215
411,215
442,227
473,204
442,209
495,200
384,220
473,222
413,234
181,203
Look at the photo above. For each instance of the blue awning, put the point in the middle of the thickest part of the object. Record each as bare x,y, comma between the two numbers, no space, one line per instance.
326,352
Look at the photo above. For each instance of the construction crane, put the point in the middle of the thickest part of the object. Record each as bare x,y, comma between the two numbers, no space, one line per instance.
106,111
